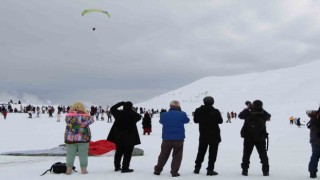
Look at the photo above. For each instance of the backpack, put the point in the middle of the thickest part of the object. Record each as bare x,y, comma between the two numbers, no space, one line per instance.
254,128
59,168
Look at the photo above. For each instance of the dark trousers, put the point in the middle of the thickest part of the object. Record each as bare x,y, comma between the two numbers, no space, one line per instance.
202,149
313,164
166,147
4,115
261,148
125,151
109,119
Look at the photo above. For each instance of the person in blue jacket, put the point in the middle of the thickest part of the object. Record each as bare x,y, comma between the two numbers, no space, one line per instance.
173,134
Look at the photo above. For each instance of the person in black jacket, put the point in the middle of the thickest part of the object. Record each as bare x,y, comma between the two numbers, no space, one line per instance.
314,126
124,133
256,114
209,119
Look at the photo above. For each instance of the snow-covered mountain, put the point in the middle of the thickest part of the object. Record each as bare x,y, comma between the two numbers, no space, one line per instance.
295,86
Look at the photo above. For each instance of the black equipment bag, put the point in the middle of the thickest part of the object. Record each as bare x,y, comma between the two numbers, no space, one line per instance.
59,168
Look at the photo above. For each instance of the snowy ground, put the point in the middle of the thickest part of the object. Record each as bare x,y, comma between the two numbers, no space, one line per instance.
289,151
285,92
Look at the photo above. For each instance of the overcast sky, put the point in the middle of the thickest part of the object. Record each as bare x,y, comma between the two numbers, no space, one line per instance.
48,51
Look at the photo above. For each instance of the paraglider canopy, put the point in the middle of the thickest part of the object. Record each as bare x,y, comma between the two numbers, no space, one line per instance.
94,10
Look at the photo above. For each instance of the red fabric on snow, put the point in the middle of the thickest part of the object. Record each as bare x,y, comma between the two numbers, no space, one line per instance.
100,147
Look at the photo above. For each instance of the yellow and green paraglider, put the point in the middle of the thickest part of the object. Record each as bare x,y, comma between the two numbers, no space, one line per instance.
94,10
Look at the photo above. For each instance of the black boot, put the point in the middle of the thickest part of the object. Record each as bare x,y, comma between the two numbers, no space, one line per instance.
196,170
244,172
117,169
211,173
265,170
313,174
127,170
176,175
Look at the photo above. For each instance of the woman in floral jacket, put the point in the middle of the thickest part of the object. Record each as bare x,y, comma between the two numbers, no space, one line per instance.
77,136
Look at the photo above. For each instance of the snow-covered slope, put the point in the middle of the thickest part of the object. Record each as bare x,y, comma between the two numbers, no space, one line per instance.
277,89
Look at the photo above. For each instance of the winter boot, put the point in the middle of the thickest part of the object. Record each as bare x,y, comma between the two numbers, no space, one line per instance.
313,174
69,170
244,172
84,170
175,175
127,170
196,170
117,169
211,173
265,170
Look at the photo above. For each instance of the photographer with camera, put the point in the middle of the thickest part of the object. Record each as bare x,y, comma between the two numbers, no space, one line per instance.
314,126
255,134
124,133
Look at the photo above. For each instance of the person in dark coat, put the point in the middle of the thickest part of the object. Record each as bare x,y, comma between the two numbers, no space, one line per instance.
146,124
173,134
298,122
255,110
4,112
208,119
314,126
124,133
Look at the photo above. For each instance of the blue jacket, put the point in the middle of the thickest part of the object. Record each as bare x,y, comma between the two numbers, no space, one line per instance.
173,124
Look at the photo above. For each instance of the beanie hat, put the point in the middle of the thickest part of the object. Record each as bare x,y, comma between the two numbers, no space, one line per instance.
127,105
247,103
208,100
257,103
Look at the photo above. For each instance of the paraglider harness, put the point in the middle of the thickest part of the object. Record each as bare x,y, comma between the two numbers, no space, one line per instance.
58,168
